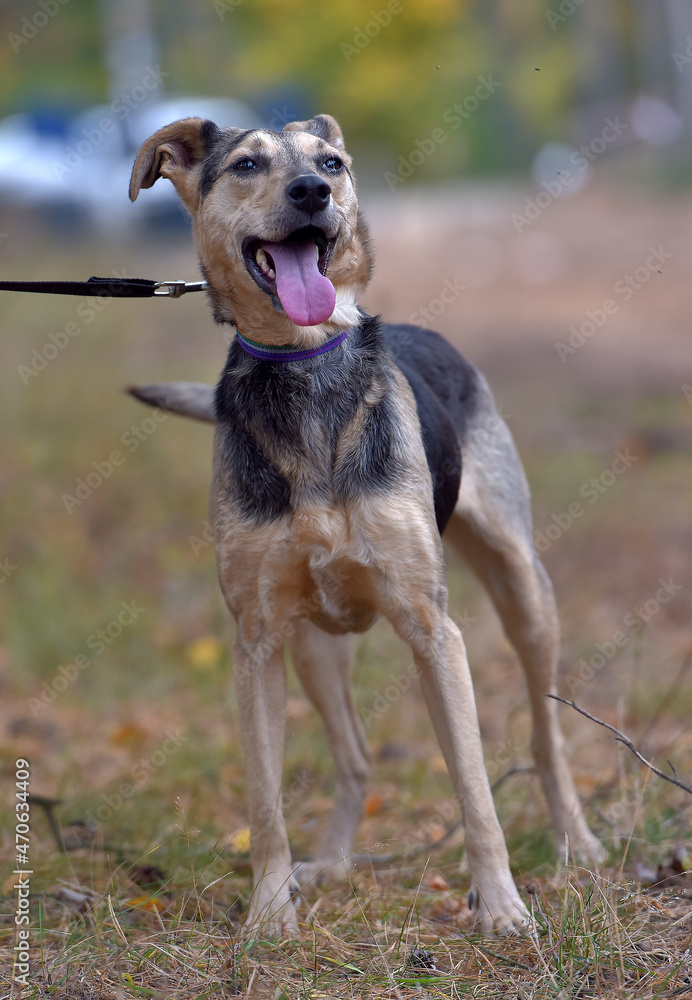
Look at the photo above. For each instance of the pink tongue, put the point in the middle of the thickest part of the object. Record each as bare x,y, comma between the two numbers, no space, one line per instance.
307,296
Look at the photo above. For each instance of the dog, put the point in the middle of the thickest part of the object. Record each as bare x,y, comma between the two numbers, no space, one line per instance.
338,455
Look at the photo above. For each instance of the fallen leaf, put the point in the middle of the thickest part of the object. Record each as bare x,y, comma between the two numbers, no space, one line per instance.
433,880
587,783
151,904
204,653
373,803
649,903
452,910
129,733
240,841
432,833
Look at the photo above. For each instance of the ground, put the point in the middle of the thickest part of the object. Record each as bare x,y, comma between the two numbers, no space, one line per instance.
579,320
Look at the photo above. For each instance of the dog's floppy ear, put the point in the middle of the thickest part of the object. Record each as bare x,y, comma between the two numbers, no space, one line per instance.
175,151
325,127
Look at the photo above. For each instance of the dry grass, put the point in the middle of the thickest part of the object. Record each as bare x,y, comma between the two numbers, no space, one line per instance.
393,934
155,710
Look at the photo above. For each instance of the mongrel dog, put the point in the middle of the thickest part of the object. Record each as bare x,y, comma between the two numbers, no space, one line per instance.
337,464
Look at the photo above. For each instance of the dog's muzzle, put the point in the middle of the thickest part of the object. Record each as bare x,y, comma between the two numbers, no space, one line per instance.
293,270
309,193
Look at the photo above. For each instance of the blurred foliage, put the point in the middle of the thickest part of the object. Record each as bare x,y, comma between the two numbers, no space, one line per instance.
388,69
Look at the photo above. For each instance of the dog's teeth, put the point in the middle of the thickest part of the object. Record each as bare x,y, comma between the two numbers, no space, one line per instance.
317,251
263,261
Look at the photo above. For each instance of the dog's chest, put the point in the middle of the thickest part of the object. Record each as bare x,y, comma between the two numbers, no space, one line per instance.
316,564
291,441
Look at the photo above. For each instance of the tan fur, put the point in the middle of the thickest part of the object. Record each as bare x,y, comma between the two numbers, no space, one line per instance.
226,217
338,568
523,597
310,577
167,154
235,209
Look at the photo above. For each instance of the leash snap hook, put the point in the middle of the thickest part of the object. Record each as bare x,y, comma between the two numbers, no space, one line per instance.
172,289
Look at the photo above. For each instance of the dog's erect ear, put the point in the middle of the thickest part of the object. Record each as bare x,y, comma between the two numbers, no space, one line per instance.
324,126
175,151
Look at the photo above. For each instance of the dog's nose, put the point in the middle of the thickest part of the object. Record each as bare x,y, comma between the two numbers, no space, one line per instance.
309,193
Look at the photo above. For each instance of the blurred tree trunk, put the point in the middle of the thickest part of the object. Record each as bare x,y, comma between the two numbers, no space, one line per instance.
130,49
602,53
129,43
679,39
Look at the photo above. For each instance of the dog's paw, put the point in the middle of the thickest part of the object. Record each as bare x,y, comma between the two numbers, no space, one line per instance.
499,909
321,872
270,924
272,915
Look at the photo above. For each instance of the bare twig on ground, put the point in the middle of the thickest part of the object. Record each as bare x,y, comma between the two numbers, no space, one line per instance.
509,774
622,738
49,806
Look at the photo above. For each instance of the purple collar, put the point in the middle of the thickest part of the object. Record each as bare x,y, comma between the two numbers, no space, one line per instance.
286,352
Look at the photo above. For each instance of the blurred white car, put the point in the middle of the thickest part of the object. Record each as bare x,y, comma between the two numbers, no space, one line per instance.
82,178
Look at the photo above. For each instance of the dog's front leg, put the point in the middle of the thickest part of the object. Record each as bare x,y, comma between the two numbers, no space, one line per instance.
446,681
414,598
260,682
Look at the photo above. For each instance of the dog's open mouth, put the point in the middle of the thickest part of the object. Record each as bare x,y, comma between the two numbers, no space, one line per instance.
295,271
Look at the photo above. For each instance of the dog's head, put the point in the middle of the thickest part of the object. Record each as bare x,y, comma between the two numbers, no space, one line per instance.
276,222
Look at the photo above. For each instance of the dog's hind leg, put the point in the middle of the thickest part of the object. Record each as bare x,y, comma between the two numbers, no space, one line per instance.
323,663
491,528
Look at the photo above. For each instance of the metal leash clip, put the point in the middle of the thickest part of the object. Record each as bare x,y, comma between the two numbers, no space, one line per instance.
174,289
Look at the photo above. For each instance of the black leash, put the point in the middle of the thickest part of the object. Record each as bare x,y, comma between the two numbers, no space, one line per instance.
132,288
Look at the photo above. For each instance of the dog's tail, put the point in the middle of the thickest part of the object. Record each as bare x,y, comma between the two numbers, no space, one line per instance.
188,399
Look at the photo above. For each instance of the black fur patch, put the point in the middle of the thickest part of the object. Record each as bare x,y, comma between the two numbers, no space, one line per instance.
270,414
444,385
321,127
209,135
273,413
212,168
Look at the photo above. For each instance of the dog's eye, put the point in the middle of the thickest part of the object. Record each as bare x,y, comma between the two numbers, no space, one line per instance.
245,166
333,163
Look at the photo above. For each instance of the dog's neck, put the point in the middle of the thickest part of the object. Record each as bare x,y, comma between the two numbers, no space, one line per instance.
268,326
289,352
